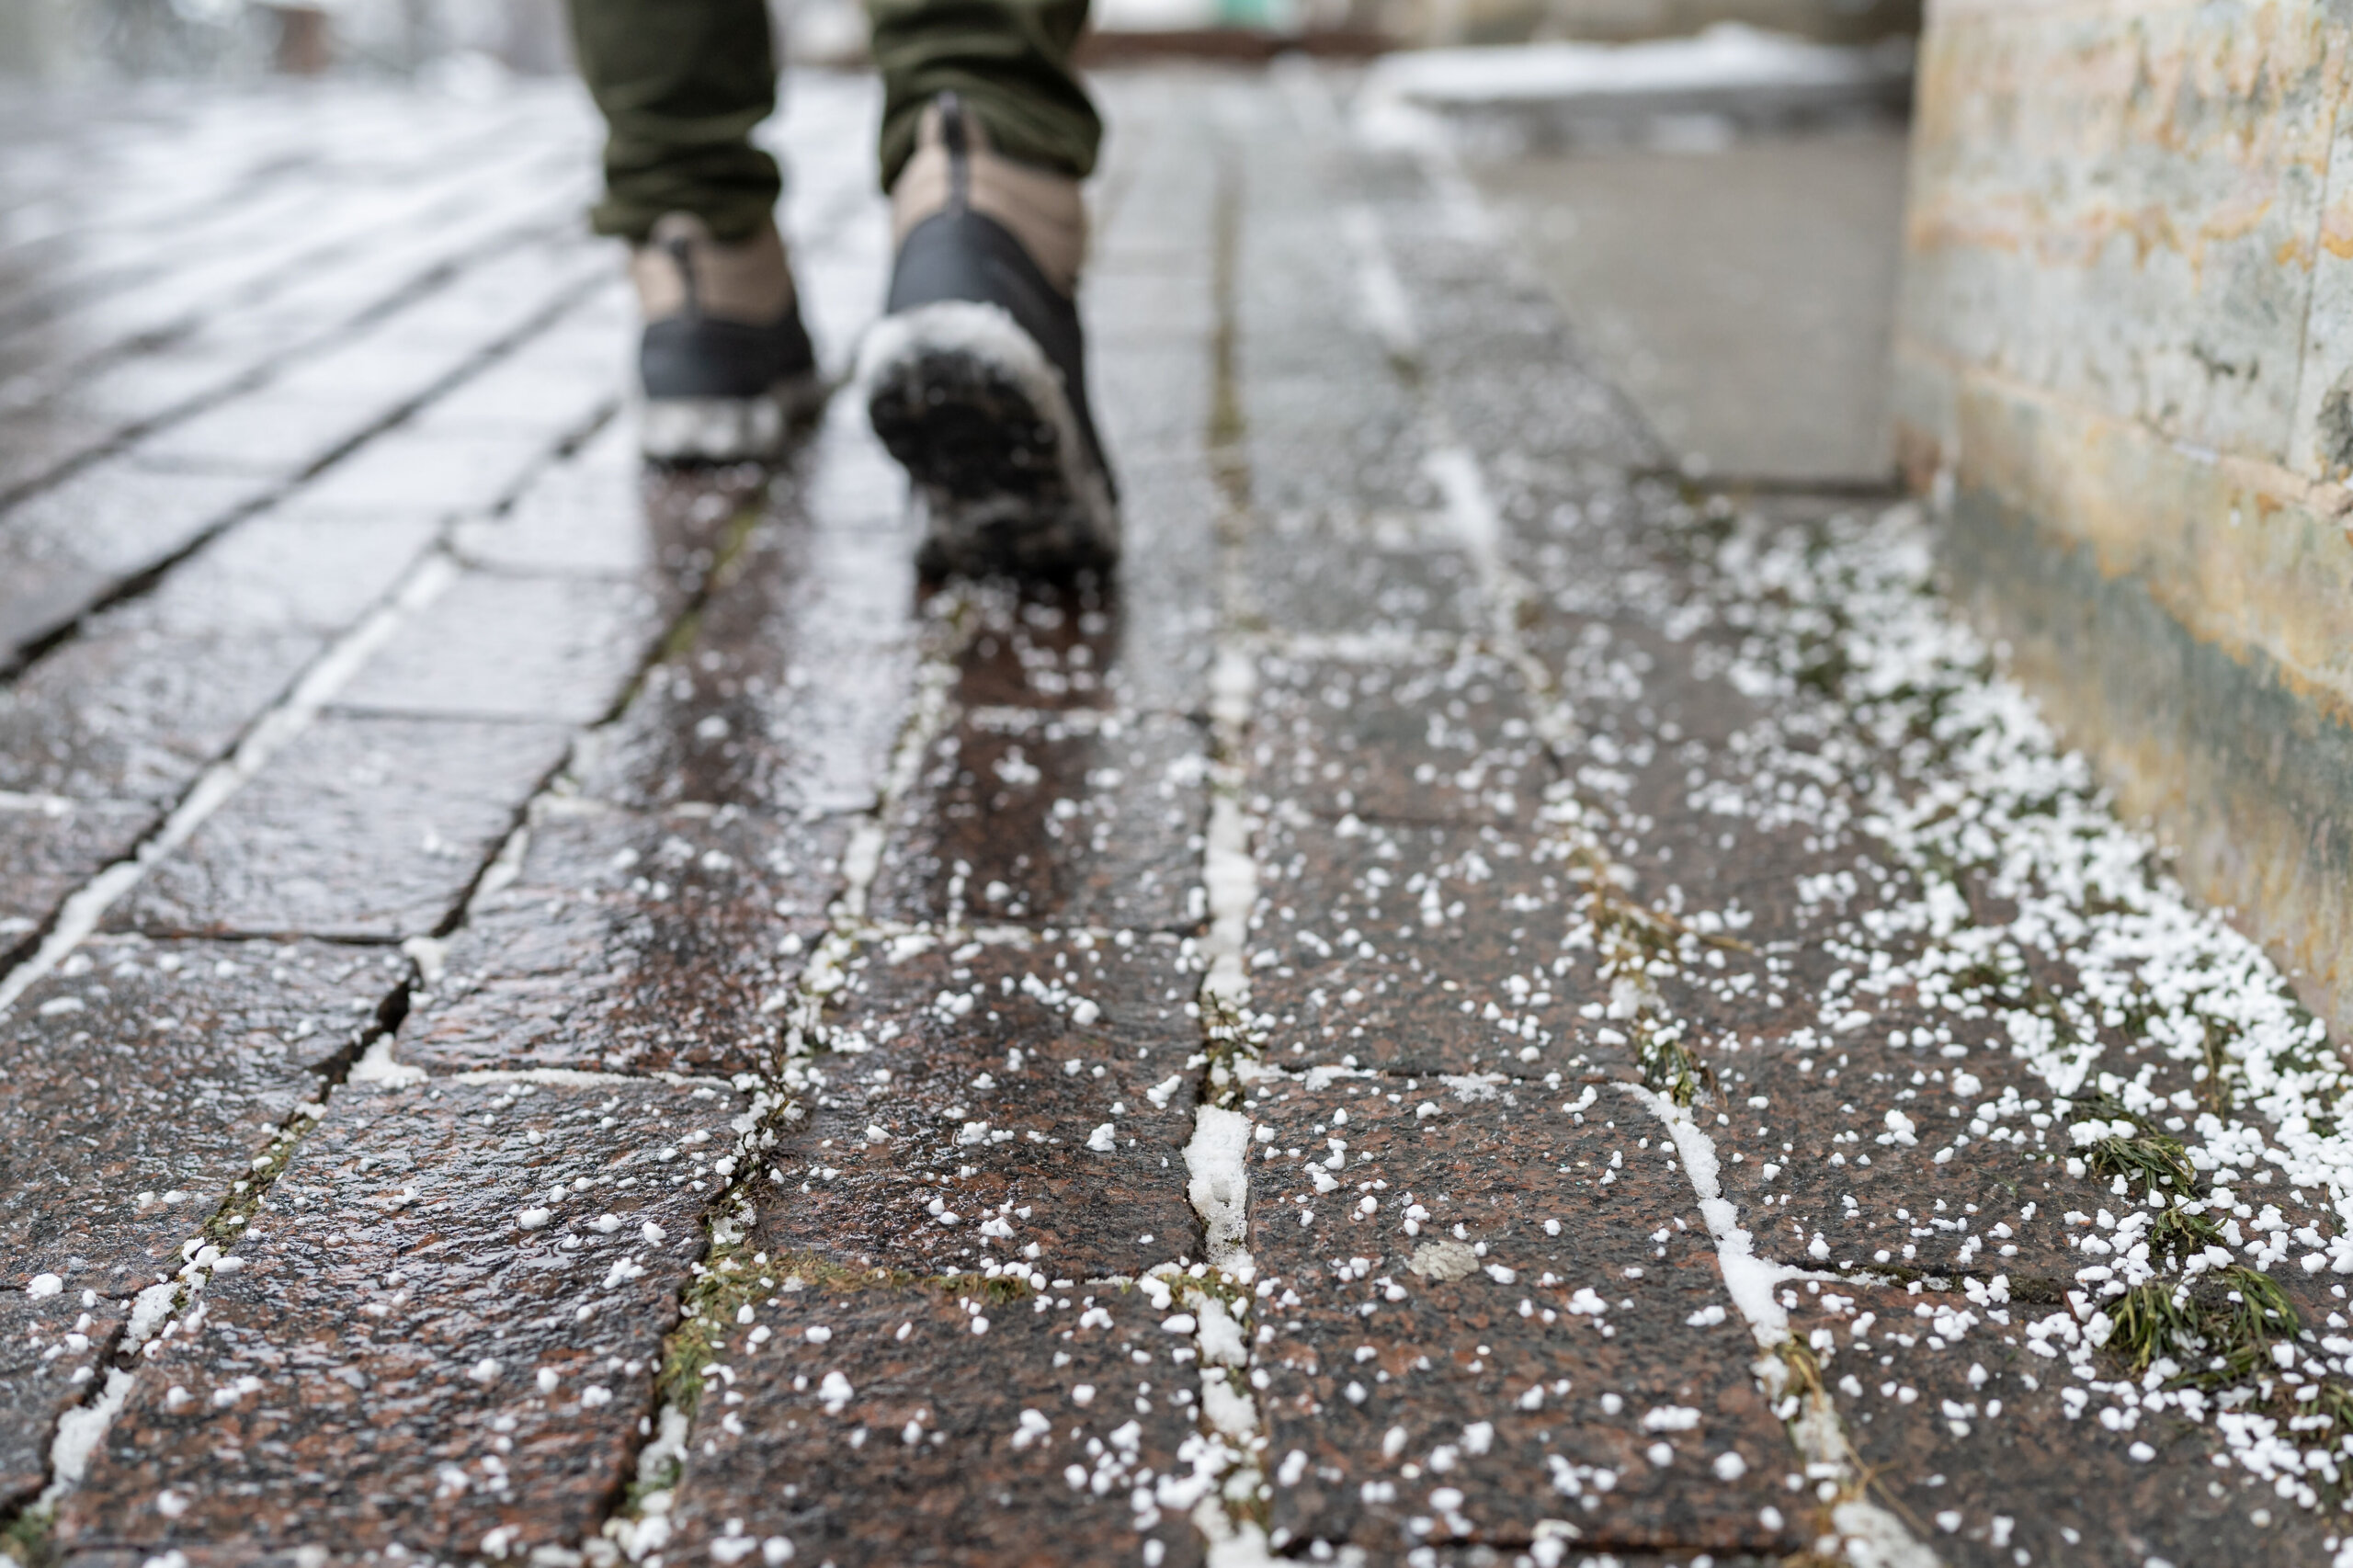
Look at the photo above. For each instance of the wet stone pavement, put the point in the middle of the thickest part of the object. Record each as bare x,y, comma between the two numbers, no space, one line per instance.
1476,1005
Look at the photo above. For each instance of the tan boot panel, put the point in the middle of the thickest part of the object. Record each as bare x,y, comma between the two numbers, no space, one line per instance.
1043,209
743,280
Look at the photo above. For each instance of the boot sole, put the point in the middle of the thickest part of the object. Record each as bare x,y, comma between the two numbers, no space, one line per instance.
728,429
970,406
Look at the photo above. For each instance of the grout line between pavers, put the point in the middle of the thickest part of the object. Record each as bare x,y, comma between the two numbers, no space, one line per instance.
638,1522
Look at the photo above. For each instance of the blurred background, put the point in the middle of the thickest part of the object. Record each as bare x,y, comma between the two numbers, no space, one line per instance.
86,39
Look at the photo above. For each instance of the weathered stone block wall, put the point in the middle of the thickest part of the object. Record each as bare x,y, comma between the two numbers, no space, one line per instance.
2125,361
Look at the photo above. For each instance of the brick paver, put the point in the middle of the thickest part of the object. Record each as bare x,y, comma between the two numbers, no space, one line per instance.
1478,1005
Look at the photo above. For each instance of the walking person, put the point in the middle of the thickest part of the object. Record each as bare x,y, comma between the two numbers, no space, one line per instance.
975,376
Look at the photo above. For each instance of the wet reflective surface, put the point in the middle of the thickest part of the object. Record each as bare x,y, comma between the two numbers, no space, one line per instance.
1343,1038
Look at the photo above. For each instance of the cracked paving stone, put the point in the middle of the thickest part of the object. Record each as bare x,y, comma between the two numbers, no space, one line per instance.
140,1078
1480,1315
1067,818
1972,1438
870,1425
557,649
994,1107
633,943
1419,947
364,828
1425,742
419,1313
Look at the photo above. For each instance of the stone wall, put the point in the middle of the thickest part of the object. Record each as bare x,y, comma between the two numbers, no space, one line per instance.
2125,363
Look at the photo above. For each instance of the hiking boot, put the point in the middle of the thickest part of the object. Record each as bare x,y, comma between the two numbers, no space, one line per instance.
726,365
975,377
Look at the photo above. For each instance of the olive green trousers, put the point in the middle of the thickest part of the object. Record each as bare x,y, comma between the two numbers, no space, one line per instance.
682,84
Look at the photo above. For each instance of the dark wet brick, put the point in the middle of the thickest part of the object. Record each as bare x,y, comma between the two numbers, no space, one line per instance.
925,1450
394,1316
1386,945
1962,1425
1927,1194
557,649
1340,573
363,827
604,513
1057,818
1042,646
143,1078
1166,618
71,545
47,848
1443,741
963,1060
634,943
1508,1401
793,689
134,707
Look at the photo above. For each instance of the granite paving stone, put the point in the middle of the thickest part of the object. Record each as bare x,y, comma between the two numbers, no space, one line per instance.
421,1314
795,684
1450,740
1488,1311
1065,818
1422,948
666,942
1972,1435
864,1425
989,1106
364,828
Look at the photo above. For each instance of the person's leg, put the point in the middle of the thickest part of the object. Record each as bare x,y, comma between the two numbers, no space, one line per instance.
1009,61
975,379
682,84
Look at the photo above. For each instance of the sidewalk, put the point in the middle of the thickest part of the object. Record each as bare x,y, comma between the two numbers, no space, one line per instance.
1484,1006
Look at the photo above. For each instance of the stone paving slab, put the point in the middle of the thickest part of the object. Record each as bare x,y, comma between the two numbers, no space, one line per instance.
1450,740
1063,818
1419,947
418,1314
74,545
995,1105
519,648
366,828
134,707
630,943
862,1425
1481,1290
1971,1435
